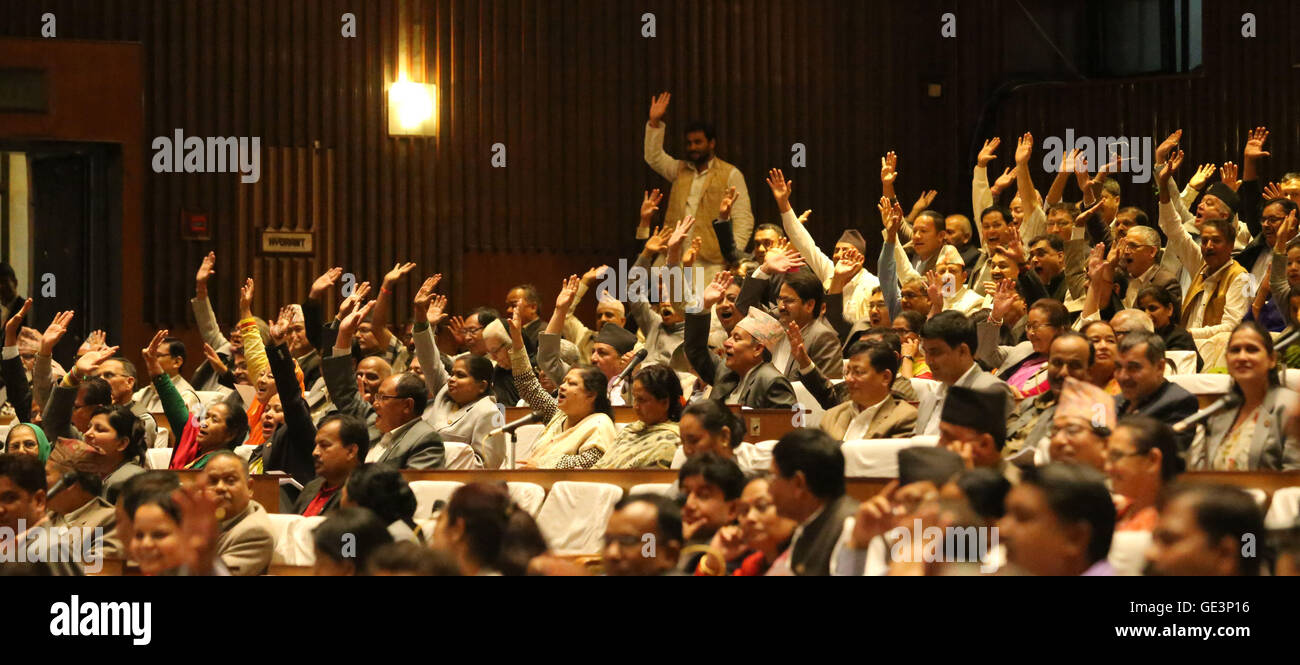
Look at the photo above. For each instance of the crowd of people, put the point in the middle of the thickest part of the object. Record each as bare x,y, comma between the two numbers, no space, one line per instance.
1026,350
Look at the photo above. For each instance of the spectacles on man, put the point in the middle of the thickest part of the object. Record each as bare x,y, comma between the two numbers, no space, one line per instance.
379,397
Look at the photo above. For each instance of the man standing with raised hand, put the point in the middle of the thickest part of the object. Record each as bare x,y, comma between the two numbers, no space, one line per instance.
700,183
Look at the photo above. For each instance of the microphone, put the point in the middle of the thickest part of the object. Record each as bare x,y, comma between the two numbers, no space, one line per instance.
1228,401
513,425
61,484
631,366
1287,341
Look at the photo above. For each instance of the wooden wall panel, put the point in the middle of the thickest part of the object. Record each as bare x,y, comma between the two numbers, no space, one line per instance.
565,84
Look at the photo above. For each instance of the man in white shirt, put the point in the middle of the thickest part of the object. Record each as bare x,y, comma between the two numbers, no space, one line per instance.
700,183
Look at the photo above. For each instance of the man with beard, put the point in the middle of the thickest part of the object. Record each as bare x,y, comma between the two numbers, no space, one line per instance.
700,183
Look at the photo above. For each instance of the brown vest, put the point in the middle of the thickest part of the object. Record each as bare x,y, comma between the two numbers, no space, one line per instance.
1217,299
715,187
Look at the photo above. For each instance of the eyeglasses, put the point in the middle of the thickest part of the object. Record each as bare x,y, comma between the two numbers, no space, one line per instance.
1033,327
379,397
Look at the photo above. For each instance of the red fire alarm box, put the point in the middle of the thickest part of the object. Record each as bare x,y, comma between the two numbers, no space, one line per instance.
194,225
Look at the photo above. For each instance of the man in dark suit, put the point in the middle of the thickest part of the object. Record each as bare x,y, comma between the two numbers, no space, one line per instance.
746,376
1144,390
1137,256
341,444
807,486
799,302
398,436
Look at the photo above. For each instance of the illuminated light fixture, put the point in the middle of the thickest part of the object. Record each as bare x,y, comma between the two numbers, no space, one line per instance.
412,108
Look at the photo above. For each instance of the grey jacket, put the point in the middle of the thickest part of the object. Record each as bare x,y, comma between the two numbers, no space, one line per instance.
419,447
1270,447
766,389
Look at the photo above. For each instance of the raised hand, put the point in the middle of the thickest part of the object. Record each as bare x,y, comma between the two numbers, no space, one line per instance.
1024,148
280,327
714,292
1007,179
199,526
657,243
1202,174
593,275
1286,231
152,352
803,219
1177,159
728,200
1255,144
650,205
679,233
399,271
246,299
88,363
94,342
568,289
889,169
658,107
922,203
1272,191
437,310
846,268
1071,161
1097,263
1003,299
1170,166
797,350
1082,219
350,303
348,327
934,286
1167,146
424,295
325,282
988,152
1228,173
15,323
781,189
457,330
55,331
784,259
214,359
910,343
688,257
206,270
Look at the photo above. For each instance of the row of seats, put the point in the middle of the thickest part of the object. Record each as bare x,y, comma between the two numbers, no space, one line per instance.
460,456
572,516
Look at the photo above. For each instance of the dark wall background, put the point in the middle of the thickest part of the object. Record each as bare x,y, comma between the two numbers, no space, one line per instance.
565,85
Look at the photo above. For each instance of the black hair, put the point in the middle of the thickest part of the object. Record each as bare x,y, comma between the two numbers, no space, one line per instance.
357,529
1224,226
1057,316
1268,349
768,226
352,432
1092,351
915,320
662,383
24,471
807,287
128,367
1054,241
127,426
1066,207
668,514
1222,511
163,499
480,369
412,387
408,557
721,472
953,328
889,336
713,416
1150,433
1162,296
236,422
1077,493
1288,206
530,293
96,392
7,271
383,490
488,514
1000,209
486,315
1140,217
879,354
700,126
817,455
594,382
940,224
175,348
140,486
986,491
1155,353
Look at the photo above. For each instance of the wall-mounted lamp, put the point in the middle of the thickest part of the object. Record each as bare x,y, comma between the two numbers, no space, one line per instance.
412,108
